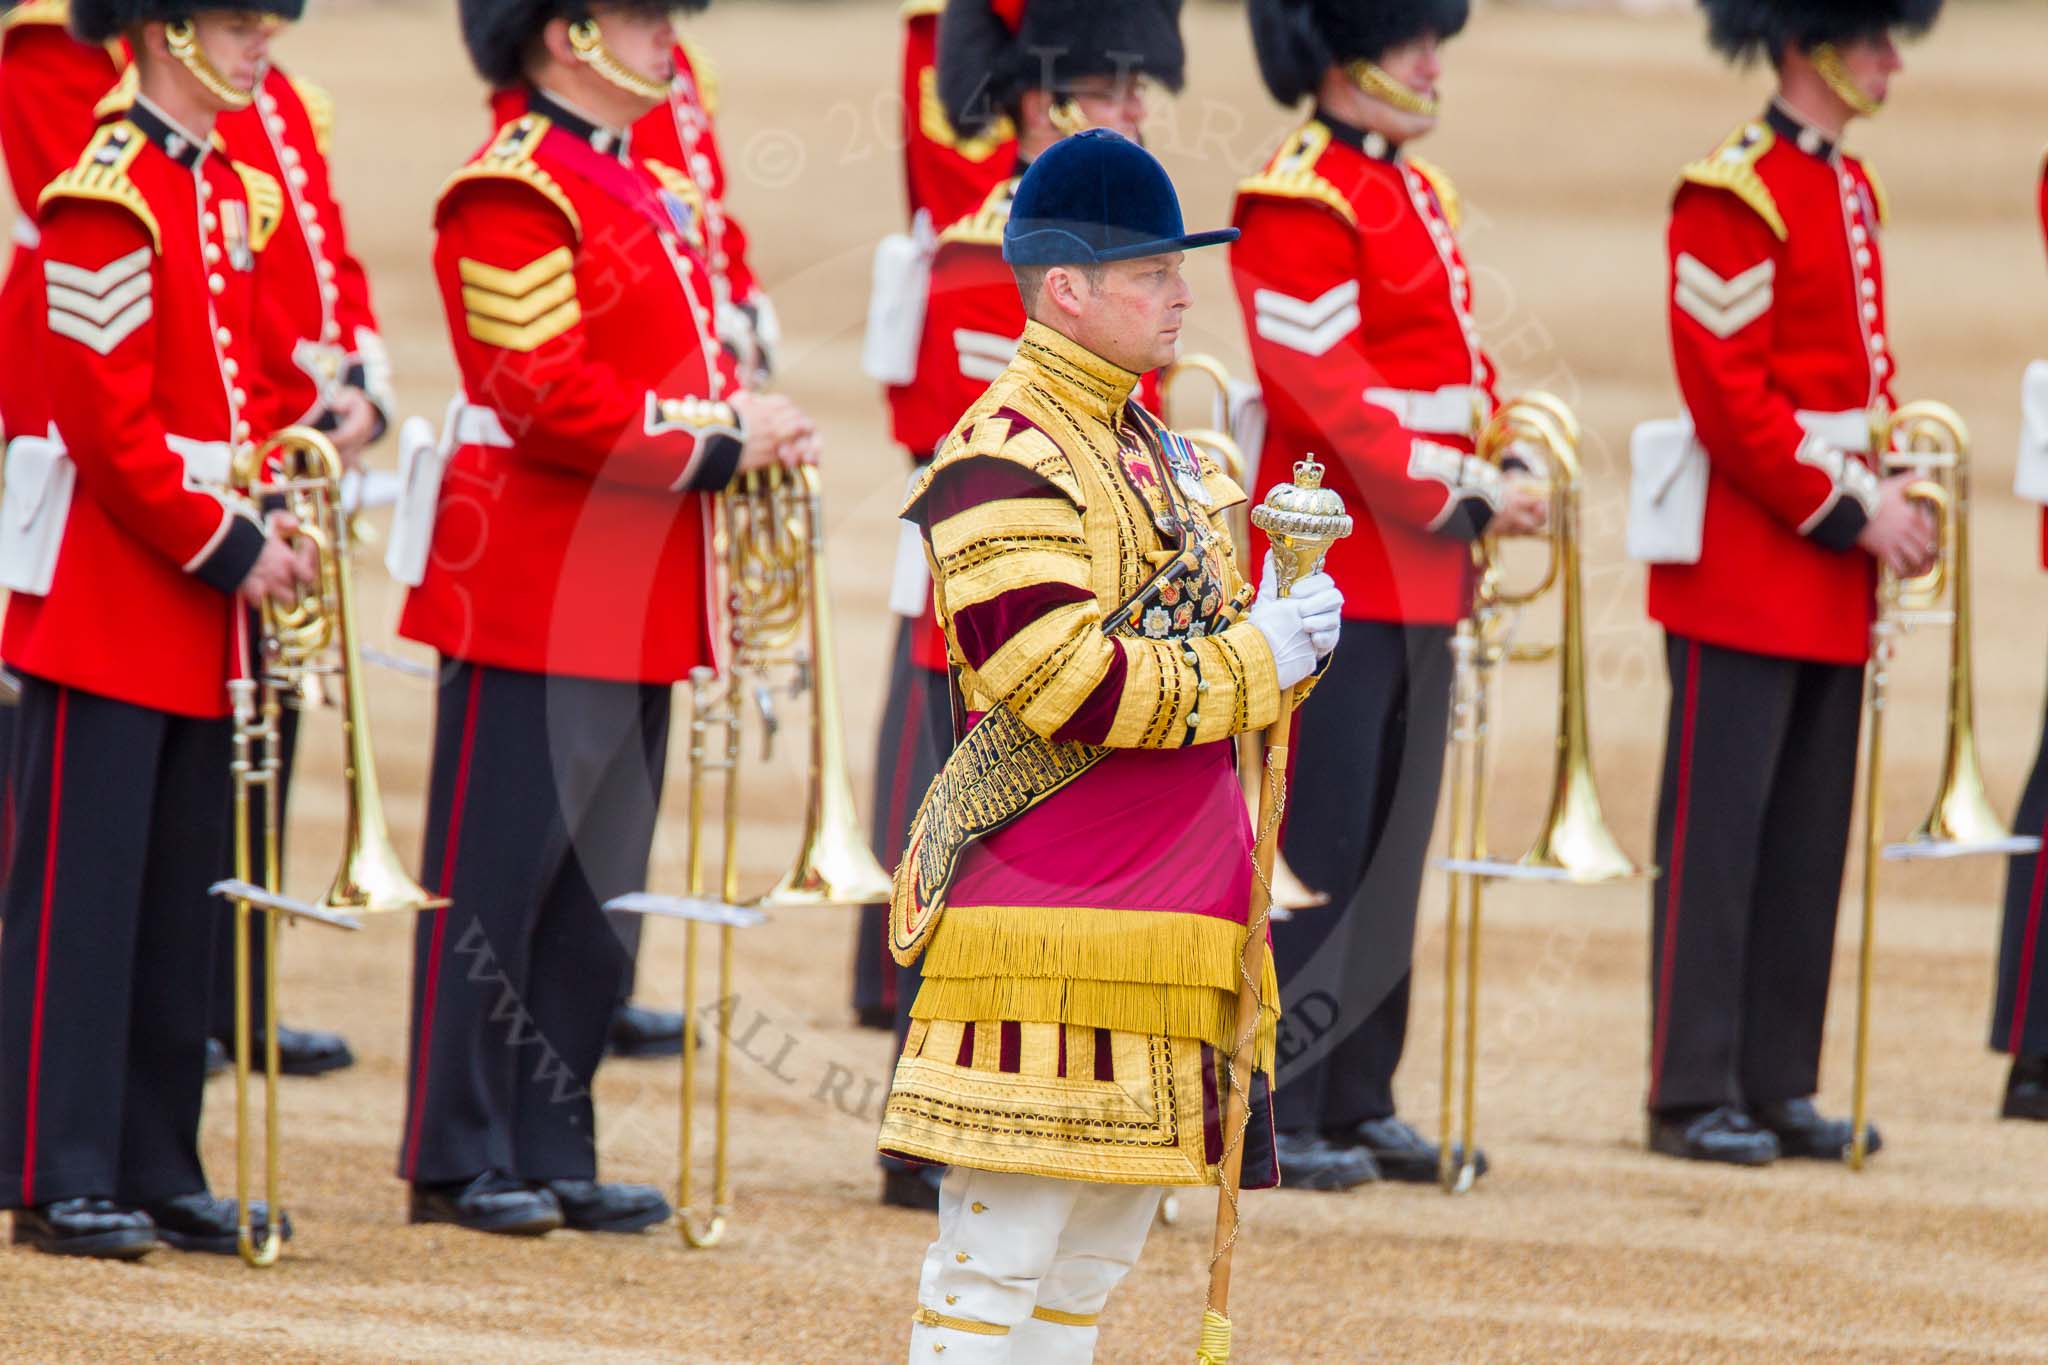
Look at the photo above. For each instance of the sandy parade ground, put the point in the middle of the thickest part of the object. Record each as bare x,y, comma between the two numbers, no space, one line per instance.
1564,132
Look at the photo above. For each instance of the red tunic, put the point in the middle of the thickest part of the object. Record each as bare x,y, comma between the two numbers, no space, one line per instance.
318,329
572,541
944,174
49,83
1358,305
1777,309
148,277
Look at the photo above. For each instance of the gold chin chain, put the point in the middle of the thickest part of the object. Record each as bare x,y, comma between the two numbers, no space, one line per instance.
1828,62
1374,81
184,45
588,42
1065,115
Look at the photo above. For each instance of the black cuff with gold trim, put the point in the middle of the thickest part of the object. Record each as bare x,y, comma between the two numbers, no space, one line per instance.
231,560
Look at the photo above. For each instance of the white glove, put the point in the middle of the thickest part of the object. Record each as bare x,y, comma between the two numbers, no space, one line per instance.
1300,628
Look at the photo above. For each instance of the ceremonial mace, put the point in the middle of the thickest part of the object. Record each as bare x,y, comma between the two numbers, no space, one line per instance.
1303,520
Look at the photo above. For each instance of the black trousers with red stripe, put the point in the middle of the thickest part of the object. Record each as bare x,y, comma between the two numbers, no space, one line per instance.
916,735
106,961
2019,1015
1368,759
1752,834
541,806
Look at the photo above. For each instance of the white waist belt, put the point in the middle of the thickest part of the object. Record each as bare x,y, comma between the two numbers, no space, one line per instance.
472,424
1452,410
26,234
1843,430
206,462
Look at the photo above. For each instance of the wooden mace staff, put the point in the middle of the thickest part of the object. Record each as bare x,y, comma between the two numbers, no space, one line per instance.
1303,520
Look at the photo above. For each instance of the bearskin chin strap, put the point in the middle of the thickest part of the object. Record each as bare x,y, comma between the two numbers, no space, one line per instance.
1373,79
1827,61
589,46
1065,115
183,42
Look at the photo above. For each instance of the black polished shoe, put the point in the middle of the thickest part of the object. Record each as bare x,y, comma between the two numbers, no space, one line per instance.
206,1222
300,1052
1725,1134
638,1031
916,1187
489,1203
86,1227
1309,1161
603,1206
1802,1131
1399,1151
2026,1089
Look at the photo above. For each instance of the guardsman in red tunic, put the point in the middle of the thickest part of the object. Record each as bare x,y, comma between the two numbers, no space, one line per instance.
2019,1019
149,264
946,177
1358,304
49,83
992,76
677,143
327,367
1766,593
565,584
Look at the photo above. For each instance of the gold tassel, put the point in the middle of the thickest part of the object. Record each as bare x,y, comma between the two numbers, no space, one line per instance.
1153,947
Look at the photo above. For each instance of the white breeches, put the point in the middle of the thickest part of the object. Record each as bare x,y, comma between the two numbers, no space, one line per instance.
1023,1266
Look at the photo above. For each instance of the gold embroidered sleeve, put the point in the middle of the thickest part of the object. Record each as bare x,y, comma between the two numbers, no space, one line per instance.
1016,596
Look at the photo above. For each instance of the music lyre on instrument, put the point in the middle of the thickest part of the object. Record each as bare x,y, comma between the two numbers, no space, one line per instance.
1929,442
1575,844
303,643
771,552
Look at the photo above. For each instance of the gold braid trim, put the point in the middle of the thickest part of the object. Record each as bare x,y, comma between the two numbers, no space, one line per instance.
1055,1316
319,111
984,226
1732,167
36,12
940,132
1877,194
918,9
1291,174
704,73
926,1317
1446,192
102,174
266,203
510,157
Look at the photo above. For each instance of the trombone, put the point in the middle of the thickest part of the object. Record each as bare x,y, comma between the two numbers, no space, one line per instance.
303,642
1575,844
771,549
1929,442
1219,439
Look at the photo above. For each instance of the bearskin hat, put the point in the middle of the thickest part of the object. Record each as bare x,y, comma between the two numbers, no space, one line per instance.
1298,40
498,32
100,21
1744,30
992,51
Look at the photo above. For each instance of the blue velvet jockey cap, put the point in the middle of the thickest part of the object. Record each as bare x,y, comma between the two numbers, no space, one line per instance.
1098,197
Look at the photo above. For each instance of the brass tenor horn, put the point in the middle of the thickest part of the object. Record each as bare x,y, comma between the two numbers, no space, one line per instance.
1929,442
1290,892
1575,843
302,641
